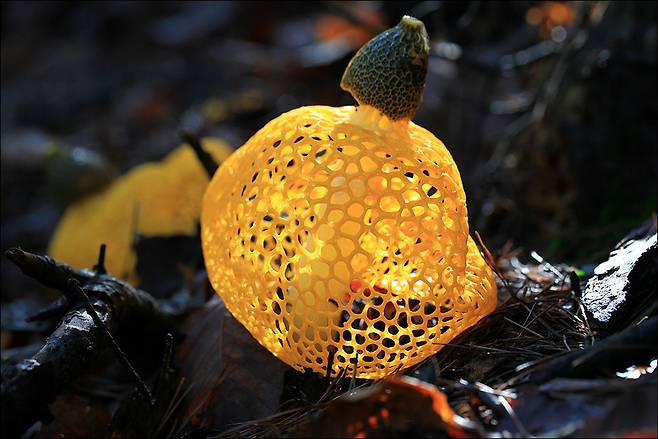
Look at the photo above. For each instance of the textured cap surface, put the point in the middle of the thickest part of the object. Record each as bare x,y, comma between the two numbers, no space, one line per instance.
324,236
389,72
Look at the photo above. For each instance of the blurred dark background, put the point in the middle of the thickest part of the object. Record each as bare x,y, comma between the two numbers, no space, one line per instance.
549,108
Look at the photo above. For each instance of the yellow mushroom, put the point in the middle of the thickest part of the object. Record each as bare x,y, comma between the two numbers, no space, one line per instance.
153,199
342,232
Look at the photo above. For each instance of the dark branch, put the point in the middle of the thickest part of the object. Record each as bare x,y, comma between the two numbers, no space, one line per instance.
74,287
99,268
55,308
46,270
206,159
79,342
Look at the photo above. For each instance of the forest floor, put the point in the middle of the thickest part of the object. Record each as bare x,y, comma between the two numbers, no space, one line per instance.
549,110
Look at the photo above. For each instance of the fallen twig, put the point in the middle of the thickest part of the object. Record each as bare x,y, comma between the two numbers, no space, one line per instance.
78,343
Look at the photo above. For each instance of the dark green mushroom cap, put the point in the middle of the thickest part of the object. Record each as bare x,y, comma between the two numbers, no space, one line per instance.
389,71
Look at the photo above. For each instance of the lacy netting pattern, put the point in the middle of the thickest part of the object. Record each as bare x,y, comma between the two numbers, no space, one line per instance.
323,236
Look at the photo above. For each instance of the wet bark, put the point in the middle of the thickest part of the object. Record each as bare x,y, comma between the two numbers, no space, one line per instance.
78,343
